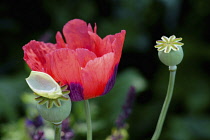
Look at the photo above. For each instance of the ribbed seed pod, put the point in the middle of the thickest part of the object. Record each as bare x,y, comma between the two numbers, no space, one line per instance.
172,58
55,114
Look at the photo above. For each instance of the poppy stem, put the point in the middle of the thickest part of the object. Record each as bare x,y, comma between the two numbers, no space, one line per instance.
88,120
57,131
167,101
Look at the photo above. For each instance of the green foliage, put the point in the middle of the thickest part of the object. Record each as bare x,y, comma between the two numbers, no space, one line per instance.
11,87
15,131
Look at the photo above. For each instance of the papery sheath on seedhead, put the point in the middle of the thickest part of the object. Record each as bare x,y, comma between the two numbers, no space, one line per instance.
44,85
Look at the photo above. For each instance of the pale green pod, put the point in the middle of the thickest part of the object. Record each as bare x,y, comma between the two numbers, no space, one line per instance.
55,114
172,58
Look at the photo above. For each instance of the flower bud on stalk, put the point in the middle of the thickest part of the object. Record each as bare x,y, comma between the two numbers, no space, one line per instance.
54,104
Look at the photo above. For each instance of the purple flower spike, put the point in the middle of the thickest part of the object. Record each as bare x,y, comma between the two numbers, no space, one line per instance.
118,137
36,122
68,134
127,108
38,136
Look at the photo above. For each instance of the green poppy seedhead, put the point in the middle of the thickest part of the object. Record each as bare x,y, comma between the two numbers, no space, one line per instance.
170,50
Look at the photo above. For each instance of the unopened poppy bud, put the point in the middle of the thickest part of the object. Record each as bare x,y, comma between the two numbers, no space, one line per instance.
170,51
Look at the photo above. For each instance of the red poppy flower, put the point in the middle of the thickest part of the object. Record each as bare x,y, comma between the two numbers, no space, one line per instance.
84,61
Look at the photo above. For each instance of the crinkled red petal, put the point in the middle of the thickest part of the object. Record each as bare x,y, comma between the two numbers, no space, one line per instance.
76,34
83,56
97,44
90,29
111,43
96,75
63,66
117,42
60,41
35,52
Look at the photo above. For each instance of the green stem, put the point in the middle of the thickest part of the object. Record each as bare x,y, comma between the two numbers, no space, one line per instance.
166,104
88,119
57,131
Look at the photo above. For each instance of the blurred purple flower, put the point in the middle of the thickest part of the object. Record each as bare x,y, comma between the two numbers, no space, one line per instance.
127,108
117,137
39,135
33,126
67,133
36,122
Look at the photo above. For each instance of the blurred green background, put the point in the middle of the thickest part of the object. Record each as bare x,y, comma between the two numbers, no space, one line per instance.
145,22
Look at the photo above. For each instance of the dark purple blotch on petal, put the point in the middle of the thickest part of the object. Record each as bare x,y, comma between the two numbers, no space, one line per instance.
76,92
111,81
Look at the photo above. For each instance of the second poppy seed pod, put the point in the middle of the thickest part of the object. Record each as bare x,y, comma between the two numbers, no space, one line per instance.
172,58
55,114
